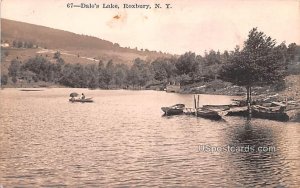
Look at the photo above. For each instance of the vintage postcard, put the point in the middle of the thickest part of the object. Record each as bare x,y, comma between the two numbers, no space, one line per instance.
150,93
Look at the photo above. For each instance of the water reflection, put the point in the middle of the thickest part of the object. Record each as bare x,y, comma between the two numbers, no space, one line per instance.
262,164
122,140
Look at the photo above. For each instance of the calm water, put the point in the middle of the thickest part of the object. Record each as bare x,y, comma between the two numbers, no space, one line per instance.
122,140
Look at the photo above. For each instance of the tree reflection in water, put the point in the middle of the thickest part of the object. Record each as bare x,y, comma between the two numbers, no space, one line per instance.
264,168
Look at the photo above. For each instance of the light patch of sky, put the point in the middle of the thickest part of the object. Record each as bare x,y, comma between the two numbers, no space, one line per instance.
189,26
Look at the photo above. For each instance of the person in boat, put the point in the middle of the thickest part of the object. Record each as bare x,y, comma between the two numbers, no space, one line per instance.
82,96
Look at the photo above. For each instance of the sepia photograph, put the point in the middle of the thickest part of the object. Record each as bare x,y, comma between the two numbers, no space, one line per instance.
150,93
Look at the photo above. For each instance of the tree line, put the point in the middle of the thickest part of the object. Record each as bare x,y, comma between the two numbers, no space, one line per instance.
23,44
187,68
259,62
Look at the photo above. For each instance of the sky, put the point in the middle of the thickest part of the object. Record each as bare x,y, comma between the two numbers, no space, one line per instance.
192,25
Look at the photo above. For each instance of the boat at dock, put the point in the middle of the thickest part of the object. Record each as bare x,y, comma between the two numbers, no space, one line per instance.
176,109
272,113
208,114
238,111
217,107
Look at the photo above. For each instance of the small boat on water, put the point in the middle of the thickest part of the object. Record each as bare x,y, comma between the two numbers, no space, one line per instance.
208,114
81,100
173,110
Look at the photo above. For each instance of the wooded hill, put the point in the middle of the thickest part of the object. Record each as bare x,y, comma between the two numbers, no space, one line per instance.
88,46
259,62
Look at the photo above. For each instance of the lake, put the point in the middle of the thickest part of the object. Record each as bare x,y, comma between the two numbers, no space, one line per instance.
122,139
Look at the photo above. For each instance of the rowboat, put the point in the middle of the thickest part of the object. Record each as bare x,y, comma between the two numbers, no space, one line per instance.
217,107
173,110
272,113
238,111
208,114
81,100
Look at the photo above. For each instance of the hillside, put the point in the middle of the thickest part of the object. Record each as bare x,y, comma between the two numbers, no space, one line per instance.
71,43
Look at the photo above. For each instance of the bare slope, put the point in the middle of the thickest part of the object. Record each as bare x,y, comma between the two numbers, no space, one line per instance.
81,45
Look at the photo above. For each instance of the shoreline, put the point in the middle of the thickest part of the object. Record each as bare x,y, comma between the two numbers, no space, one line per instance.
291,92
282,96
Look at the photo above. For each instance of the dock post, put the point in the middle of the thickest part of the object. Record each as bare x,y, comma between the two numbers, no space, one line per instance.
249,110
195,105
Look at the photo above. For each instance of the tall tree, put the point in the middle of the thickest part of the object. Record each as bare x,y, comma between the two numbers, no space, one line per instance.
260,62
14,68
101,74
109,73
213,57
20,44
56,55
158,67
4,79
120,74
291,51
186,63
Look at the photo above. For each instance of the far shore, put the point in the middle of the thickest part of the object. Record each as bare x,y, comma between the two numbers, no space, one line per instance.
291,92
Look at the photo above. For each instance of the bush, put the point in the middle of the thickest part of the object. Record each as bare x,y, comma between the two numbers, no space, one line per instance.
4,79
6,53
280,86
14,79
